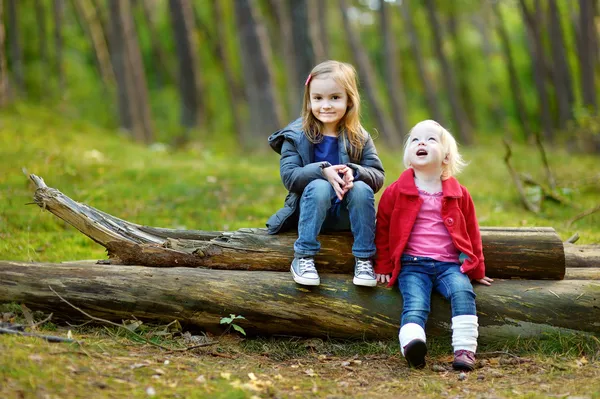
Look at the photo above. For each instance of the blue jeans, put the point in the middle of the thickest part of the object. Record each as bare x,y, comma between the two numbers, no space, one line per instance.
319,212
419,275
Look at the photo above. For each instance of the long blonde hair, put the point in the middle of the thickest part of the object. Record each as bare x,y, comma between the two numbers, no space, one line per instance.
455,162
349,126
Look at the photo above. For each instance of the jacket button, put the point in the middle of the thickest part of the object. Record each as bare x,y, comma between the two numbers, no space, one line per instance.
449,221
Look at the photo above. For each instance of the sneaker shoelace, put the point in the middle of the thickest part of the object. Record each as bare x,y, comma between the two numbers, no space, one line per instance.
364,266
306,265
468,354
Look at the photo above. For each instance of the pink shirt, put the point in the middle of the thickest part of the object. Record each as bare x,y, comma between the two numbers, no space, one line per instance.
429,237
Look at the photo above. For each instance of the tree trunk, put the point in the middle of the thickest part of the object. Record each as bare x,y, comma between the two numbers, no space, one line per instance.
515,87
40,19
97,38
587,54
164,74
368,80
233,88
426,81
16,51
317,15
3,72
303,46
461,119
189,69
293,88
393,77
258,77
538,58
129,71
535,253
59,13
273,304
562,75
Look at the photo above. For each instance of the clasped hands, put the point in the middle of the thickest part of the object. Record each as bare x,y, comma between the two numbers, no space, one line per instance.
341,178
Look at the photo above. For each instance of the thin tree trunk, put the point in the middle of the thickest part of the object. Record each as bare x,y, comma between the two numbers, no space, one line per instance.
189,79
317,12
16,52
587,54
97,38
58,13
272,303
484,24
535,31
462,120
137,75
426,81
258,77
232,85
562,74
464,75
294,96
40,19
367,78
303,46
515,86
3,72
164,74
395,87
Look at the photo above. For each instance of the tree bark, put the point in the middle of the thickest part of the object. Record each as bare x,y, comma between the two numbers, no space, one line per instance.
303,46
561,71
368,80
16,51
538,58
264,109
462,120
164,73
393,77
317,12
273,304
535,253
182,22
515,86
3,72
426,81
587,54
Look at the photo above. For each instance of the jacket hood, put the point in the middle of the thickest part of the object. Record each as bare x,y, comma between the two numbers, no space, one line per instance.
293,132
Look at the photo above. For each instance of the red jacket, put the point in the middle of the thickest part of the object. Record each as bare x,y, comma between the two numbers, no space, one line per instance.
396,215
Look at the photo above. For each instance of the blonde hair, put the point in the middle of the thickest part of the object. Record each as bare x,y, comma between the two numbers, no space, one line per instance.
455,162
349,126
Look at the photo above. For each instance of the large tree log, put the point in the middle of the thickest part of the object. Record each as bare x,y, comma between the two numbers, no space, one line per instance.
273,304
529,253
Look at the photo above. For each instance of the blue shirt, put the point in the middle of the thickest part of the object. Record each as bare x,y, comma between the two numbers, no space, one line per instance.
327,150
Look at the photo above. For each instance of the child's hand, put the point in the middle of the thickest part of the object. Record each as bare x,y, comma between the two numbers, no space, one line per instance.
348,179
382,278
485,281
331,173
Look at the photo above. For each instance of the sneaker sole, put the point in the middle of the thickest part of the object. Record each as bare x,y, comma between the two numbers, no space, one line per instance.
415,353
364,283
303,280
462,366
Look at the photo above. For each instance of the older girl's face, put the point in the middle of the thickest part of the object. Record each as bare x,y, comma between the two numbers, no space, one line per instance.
328,102
425,149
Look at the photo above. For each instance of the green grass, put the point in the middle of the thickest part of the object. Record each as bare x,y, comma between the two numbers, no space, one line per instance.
212,185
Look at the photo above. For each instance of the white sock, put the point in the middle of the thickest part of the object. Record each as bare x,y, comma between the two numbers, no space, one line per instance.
409,332
465,333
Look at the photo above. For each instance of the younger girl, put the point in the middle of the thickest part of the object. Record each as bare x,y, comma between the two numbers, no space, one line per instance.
331,169
426,227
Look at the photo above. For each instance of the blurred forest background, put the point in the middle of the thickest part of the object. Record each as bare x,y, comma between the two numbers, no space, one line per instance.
175,71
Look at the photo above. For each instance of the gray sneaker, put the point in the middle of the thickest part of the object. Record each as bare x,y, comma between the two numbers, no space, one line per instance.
304,272
363,273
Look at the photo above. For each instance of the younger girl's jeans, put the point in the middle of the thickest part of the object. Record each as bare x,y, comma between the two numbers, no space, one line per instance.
319,211
419,275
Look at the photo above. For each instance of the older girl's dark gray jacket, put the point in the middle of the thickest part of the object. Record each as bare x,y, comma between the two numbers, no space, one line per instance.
298,168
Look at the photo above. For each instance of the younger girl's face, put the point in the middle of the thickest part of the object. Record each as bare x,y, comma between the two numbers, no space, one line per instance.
328,102
425,149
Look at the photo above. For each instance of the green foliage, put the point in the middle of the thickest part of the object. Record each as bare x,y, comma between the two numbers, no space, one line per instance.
230,323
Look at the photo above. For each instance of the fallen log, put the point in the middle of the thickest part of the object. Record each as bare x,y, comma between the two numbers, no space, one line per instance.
274,305
582,255
527,253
